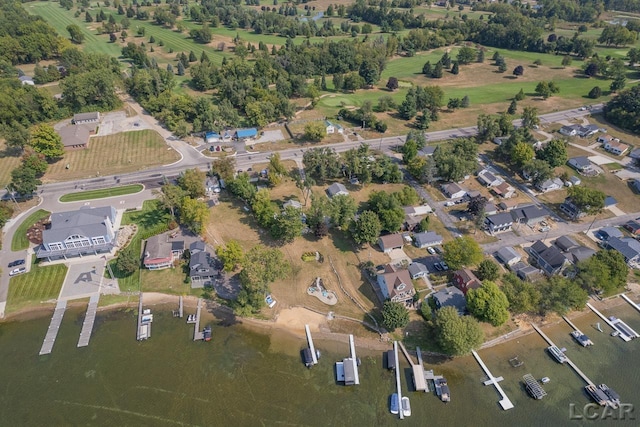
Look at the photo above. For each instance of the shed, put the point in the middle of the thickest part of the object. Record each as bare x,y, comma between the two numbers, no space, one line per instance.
246,133
508,255
336,189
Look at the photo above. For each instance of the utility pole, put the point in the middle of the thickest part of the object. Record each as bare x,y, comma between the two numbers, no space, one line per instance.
13,198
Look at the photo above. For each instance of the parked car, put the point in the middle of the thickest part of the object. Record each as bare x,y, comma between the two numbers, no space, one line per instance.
16,263
438,266
444,265
17,271
431,250
437,249
449,204
270,301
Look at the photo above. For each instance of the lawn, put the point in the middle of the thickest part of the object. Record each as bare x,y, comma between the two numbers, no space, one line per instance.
40,284
151,220
168,281
20,241
114,154
8,162
102,193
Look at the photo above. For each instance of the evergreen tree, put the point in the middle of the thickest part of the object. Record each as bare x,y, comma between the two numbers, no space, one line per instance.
455,70
426,68
192,57
203,57
437,71
513,107
480,55
180,68
465,102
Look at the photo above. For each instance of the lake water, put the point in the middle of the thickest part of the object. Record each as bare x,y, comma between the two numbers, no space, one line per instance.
250,378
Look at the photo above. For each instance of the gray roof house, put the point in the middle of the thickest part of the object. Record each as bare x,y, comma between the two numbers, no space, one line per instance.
201,269
453,190
549,258
628,247
391,241
529,214
451,297
395,284
417,270
160,253
508,255
75,136
571,210
635,153
581,164
569,130
550,185
197,246
581,253
337,189
526,272
292,203
427,150
426,239
606,233
86,231
26,80
499,222
565,243
488,179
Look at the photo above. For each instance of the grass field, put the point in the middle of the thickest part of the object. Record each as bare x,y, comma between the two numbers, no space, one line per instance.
102,193
151,220
168,281
20,241
113,154
40,284
8,162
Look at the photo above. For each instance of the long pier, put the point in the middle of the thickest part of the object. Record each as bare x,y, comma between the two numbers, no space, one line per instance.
504,402
54,326
352,347
569,361
624,331
398,384
89,319
406,353
566,319
314,356
180,308
633,304
197,333
144,330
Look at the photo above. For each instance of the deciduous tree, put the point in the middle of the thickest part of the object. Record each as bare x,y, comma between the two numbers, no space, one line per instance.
394,315
488,303
192,182
462,252
457,335
488,270
194,214
46,141
367,228
231,255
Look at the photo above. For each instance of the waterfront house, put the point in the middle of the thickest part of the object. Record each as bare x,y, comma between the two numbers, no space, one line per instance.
582,164
550,185
337,189
488,179
549,258
628,247
160,252
504,190
464,279
86,231
84,118
499,223
390,242
426,239
508,255
616,147
395,284
453,190
202,271
417,270
451,297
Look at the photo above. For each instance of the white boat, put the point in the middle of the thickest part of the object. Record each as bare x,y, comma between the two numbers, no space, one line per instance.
406,406
393,404
545,380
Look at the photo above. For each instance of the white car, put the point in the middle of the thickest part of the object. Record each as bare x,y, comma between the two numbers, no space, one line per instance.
17,271
431,250
447,204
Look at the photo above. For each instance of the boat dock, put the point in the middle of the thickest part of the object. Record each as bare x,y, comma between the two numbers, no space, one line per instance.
568,361
624,331
180,311
89,319
312,349
419,374
347,369
533,387
633,304
198,335
398,384
144,327
505,403
577,334
54,326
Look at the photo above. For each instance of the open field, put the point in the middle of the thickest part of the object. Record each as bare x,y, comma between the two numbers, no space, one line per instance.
20,240
8,162
39,285
102,193
120,153
151,220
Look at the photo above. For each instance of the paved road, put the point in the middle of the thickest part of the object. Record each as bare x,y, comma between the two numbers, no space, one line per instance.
190,158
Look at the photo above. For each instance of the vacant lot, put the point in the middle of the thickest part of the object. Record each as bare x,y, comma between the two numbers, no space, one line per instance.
114,154
39,285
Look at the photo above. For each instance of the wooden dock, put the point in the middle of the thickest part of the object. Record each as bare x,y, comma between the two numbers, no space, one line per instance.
144,329
566,319
180,308
633,304
568,361
624,331
89,319
54,326
314,356
352,348
398,384
505,403
406,353
198,335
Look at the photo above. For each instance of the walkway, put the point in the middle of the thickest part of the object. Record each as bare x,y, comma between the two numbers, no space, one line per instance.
89,319
54,327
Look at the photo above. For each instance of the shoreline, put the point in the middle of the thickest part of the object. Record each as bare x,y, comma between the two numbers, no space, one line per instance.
291,320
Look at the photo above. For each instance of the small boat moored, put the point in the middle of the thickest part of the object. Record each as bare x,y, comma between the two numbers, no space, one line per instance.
545,380
206,333
394,404
406,406
557,354
597,395
613,397
581,338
